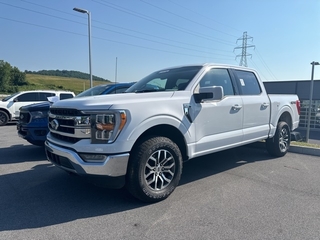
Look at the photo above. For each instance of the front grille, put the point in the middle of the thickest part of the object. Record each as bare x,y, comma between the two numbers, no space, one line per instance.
65,125
24,117
65,138
65,112
69,125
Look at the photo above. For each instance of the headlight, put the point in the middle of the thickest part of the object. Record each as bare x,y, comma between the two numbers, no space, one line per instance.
39,114
105,127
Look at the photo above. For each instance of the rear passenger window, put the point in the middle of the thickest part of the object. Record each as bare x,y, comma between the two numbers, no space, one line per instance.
218,77
65,96
43,96
248,83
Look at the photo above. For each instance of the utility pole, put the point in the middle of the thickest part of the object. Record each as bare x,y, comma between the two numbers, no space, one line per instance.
243,55
116,71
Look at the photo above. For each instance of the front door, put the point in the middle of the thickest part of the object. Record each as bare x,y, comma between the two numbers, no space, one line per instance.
218,124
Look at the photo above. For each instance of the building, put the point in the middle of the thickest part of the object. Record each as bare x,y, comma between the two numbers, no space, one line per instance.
302,89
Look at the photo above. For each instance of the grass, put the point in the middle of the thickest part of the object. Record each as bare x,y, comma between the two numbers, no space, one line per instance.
305,144
44,82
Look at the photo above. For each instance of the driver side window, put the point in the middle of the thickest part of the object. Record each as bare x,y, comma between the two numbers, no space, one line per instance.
218,77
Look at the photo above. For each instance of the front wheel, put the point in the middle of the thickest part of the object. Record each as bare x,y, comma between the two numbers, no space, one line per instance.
4,118
279,145
154,169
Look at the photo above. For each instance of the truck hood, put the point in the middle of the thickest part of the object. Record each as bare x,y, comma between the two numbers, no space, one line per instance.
116,101
43,106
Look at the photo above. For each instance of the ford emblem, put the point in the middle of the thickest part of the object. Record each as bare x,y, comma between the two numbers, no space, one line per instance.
54,124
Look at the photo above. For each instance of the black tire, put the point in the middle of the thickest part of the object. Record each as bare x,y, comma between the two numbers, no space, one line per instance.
4,118
280,143
154,169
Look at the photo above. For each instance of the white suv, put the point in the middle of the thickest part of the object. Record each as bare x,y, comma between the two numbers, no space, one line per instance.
10,105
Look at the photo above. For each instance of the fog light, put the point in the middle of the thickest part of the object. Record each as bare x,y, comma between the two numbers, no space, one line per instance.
94,158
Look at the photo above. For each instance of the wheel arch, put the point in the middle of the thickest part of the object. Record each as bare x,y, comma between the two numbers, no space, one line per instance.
165,130
7,112
286,117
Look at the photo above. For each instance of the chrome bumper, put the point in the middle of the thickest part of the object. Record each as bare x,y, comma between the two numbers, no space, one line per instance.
69,160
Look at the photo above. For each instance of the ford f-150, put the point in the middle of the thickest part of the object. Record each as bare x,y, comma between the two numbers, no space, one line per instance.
142,138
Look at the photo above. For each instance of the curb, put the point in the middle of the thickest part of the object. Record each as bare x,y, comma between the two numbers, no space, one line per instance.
305,150
293,149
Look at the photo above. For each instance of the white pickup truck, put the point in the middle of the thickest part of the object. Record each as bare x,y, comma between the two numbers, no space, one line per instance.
142,137
10,105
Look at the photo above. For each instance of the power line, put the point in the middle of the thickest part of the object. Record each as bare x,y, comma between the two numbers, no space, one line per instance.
183,6
109,40
265,64
182,17
42,13
112,25
163,23
257,68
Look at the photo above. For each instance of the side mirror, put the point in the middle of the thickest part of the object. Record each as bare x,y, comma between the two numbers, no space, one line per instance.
209,93
16,99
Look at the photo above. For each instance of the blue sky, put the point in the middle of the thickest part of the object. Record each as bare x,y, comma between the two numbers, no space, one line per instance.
132,38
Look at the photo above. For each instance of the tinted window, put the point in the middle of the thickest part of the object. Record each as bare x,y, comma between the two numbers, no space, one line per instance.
65,96
43,96
218,77
248,83
97,90
119,90
28,97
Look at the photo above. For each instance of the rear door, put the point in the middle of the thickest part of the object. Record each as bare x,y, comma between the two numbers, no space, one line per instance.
256,106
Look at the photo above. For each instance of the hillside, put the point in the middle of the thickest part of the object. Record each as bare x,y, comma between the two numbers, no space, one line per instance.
76,85
66,73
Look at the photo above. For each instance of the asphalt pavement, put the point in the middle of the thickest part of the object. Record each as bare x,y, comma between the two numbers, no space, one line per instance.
239,194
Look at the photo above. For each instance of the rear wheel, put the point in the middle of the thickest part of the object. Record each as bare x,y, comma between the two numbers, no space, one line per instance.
4,118
154,169
279,145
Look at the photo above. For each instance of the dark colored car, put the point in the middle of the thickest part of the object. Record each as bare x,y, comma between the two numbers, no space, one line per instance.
32,124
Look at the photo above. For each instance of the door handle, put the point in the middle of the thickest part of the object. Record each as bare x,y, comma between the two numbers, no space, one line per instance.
236,107
265,105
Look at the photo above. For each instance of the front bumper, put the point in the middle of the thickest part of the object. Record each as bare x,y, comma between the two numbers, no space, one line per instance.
35,136
112,171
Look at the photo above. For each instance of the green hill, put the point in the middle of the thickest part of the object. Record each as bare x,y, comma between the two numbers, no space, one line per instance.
66,73
44,82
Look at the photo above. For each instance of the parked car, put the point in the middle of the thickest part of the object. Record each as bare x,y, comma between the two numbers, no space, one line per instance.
142,139
33,121
10,105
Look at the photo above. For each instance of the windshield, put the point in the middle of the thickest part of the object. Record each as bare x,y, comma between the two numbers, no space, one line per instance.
174,79
8,97
97,90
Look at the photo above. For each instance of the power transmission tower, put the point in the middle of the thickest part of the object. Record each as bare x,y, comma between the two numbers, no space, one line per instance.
243,55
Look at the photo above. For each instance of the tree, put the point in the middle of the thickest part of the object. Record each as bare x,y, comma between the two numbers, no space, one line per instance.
5,73
10,77
18,78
